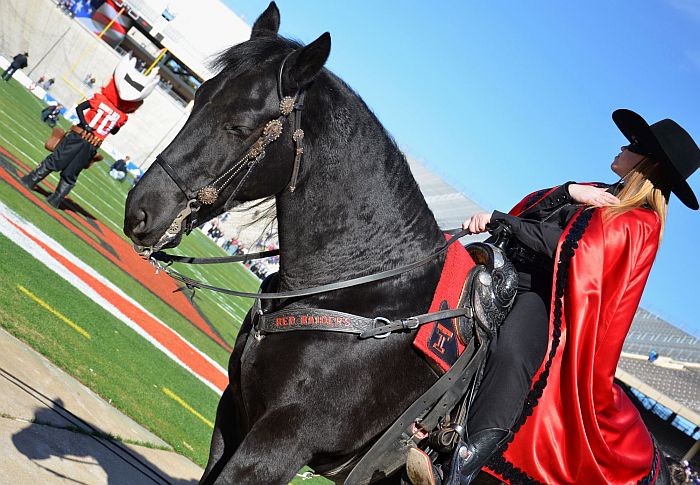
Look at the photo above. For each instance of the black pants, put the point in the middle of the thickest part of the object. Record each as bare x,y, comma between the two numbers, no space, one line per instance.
513,358
71,156
9,72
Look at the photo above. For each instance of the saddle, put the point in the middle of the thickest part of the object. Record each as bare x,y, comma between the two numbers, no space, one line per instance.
437,419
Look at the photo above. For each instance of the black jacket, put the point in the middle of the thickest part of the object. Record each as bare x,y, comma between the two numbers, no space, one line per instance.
19,61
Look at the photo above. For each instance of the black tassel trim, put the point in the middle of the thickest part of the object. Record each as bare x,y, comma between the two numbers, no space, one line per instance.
498,463
651,476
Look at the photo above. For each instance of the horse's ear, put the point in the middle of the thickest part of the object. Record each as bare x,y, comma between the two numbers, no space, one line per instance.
305,63
268,23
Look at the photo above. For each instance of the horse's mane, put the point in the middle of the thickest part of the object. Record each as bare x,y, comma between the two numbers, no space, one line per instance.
247,55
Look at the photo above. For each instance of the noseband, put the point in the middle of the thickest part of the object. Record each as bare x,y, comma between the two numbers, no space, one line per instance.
209,193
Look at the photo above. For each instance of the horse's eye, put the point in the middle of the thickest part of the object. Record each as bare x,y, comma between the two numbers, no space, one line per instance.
237,130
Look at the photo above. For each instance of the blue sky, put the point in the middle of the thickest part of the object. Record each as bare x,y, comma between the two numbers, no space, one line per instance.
502,98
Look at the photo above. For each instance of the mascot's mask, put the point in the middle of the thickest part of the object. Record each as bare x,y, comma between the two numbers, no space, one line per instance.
128,87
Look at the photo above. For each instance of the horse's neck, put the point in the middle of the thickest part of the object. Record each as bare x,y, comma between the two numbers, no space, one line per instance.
357,209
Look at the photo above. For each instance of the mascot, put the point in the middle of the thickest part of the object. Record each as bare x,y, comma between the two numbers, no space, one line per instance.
102,114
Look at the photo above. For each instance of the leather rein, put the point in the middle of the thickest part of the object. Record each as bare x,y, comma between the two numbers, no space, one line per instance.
163,261
312,318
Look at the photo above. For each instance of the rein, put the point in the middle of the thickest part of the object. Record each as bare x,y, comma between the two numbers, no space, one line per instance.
160,256
169,259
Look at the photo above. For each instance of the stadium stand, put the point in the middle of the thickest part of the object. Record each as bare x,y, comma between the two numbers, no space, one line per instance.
650,332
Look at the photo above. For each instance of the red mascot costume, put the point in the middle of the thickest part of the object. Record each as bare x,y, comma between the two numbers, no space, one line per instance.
102,114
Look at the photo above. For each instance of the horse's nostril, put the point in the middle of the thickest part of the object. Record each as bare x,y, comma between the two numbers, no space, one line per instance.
140,228
140,222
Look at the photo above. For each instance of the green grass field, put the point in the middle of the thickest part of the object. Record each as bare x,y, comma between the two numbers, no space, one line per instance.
115,361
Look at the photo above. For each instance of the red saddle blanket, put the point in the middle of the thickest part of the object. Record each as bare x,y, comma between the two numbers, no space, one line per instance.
438,341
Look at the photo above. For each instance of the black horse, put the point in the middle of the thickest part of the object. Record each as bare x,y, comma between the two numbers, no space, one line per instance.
299,398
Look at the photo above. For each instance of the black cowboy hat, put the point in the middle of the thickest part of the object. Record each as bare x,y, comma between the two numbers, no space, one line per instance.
668,143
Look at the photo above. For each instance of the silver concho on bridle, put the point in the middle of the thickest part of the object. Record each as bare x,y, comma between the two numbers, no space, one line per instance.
208,194
287,105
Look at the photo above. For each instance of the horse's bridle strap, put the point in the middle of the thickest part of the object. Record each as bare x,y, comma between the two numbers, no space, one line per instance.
175,177
166,258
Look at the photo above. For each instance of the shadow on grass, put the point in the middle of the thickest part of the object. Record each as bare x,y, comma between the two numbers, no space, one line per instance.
79,446
67,204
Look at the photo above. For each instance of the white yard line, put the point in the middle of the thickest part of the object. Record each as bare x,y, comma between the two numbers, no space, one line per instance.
27,244
10,127
18,149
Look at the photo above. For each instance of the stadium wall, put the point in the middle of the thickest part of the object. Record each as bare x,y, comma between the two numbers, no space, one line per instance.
55,43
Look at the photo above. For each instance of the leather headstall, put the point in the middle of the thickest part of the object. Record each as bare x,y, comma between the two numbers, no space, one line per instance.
209,193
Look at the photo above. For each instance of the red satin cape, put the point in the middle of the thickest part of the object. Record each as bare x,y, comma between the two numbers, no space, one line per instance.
583,428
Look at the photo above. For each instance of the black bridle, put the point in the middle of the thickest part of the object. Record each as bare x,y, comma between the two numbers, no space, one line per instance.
209,193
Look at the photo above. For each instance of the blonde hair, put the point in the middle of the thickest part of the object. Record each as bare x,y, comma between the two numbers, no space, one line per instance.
646,184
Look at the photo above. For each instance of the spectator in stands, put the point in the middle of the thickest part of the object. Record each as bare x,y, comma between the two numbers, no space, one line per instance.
18,62
48,84
50,114
215,233
68,6
548,379
231,246
119,169
688,471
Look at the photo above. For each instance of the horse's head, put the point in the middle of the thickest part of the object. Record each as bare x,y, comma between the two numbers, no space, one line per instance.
230,149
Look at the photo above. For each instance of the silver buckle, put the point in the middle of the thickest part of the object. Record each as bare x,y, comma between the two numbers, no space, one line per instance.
384,321
410,323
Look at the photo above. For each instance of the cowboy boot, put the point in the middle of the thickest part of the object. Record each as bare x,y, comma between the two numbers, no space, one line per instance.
469,458
57,197
35,176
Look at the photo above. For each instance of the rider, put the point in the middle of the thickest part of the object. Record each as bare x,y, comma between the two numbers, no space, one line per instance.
547,396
